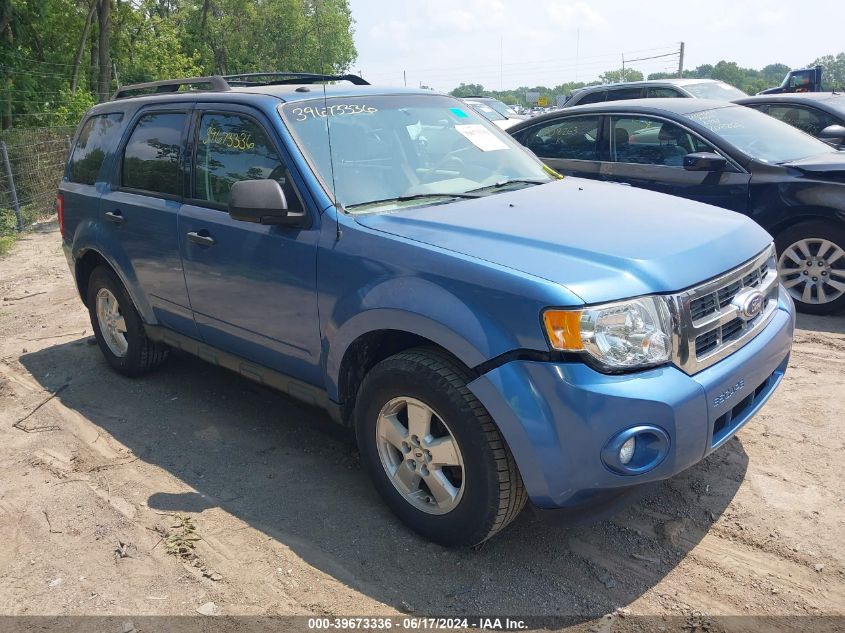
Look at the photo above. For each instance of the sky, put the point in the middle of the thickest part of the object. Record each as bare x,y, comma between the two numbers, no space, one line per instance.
511,43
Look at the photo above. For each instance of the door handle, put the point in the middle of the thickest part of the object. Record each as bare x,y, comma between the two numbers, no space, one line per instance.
115,216
202,240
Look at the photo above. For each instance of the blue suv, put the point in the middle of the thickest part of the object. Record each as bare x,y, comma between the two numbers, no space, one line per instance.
491,331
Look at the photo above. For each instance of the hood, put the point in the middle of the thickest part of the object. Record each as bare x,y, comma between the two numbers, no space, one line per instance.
834,162
601,241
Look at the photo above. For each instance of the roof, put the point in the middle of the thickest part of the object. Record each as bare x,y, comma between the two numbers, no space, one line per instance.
793,96
285,93
668,104
677,81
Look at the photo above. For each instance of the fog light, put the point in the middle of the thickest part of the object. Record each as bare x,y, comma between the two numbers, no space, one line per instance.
627,450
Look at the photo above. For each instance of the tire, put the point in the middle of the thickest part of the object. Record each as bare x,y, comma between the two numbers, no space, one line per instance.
821,245
485,489
140,355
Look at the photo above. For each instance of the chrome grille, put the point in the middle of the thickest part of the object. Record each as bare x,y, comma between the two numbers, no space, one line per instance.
710,326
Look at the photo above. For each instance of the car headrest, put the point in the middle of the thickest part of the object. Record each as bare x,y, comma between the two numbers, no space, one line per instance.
669,132
621,136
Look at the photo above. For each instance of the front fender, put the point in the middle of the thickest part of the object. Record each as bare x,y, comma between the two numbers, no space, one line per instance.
417,307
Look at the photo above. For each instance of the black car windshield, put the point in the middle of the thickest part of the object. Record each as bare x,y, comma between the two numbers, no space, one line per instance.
381,153
715,90
759,135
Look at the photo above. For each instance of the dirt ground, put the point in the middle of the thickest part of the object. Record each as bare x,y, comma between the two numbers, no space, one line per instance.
115,476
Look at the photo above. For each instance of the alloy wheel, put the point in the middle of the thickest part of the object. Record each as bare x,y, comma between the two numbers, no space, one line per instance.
813,270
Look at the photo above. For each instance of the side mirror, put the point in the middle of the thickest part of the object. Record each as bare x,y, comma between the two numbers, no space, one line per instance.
834,134
704,161
262,202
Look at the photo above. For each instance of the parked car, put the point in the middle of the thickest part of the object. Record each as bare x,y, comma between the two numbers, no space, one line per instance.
496,111
821,114
726,155
491,332
655,89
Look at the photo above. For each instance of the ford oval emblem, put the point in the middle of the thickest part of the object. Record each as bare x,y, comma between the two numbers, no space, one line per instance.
749,302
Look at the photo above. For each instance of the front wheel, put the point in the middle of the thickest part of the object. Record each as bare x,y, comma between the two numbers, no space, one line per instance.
811,265
433,451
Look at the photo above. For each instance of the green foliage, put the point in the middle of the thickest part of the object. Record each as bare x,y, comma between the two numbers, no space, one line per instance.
833,76
623,74
157,39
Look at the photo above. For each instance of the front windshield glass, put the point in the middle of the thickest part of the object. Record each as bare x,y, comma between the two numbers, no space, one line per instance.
759,135
501,107
715,90
390,152
488,112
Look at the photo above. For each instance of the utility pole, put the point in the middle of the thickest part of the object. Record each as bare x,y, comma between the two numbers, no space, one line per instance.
501,62
623,67
681,63
405,77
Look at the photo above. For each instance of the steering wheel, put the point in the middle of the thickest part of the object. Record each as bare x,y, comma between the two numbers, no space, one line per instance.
452,157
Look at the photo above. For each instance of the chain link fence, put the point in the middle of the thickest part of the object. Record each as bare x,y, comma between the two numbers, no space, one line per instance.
32,162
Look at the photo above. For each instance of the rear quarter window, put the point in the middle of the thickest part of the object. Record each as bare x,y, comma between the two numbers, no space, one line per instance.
95,138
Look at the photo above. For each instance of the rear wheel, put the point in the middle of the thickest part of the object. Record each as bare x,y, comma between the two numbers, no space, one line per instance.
118,327
433,451
811,264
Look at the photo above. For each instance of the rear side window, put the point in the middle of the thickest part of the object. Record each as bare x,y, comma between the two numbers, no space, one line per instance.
151,157
94,140
593,97
662,93
624,93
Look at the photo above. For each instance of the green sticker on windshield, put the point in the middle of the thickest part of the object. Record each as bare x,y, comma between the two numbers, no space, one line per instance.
459,113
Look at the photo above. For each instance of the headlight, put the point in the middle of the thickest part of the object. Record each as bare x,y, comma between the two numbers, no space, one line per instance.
623,335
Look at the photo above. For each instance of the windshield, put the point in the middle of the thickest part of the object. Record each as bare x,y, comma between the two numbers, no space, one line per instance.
486,110
759,135
389,152
836,103
715,90
501,107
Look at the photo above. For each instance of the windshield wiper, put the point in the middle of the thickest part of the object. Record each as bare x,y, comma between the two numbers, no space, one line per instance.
415,196
513,181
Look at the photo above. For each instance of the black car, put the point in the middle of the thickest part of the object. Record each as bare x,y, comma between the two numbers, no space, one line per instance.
723,154
821,114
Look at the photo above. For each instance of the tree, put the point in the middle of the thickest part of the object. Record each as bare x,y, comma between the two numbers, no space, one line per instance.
623,74
833,75
468,90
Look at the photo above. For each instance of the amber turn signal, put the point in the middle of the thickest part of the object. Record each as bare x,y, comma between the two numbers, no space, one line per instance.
564,329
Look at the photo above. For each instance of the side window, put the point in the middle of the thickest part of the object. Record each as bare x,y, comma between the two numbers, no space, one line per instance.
573,138
661,93
95,138
230,148
151,156
624,93
593,97
646,141
808,120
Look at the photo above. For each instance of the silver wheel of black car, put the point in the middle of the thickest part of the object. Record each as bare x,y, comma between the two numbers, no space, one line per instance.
420,455
811,266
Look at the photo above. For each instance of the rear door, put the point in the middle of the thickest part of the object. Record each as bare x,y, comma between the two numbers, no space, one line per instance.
648,152
139,212
252,286
569,145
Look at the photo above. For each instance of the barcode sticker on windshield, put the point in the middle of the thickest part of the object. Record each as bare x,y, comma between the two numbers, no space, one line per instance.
481,137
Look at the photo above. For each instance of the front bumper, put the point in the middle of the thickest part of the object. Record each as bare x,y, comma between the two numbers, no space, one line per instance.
557,417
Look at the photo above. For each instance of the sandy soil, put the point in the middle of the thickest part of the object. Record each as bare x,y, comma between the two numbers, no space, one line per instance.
285,522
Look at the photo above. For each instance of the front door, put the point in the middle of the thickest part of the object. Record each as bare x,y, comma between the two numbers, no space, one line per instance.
649,153
252,287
